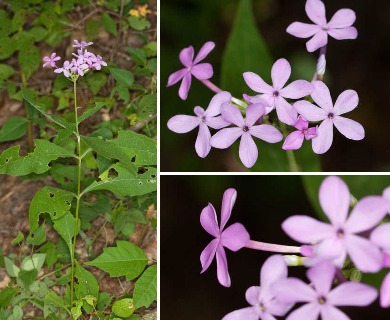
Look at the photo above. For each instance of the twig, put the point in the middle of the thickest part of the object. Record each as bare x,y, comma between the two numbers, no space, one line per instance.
139,125
119,30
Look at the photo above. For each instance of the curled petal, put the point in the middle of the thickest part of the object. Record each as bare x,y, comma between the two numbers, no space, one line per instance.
385,292
302,30
285,111
183,123
249,313
235,237
301,123
343,34
248,150
315,10
225,138
349,128
185,86
228,201
297,89
204,51
253,113
207,255
202,71
311,133
352,294
266,132
208,220
309,111
319,40
293,141
232,114
280,73
256,83
222,268
342,18
347,101
324,138
216,102
202,144
186,56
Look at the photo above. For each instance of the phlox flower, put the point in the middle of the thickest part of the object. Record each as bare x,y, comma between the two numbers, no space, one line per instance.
330,115
79,66
264,306
82,44
51,60
66,69
339,27
319,297
202,71
245,129
234,237
275,95
295,139
339,238
98,63
202,119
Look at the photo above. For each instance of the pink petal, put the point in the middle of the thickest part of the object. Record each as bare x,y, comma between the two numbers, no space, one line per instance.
381,236
301,124
267,316
352,294
342,18
293,290
253,113
280,73
183,123
385,292
217,123
185,86
235,237
315,10
308,311
285,111
228,201
204,51
273,269
268,100
331,249
349,128
302,30
321,96
293,141
252,295
365,255
232,114
208,220
266,132
256,83
331,313
216,102
386,194
222,268
202,71
186,56
309,111
202,144
248,150
297,89
199,111
311,133
321,276
319,40
344,34
366,214
225,138
335,199
324,138
207,255
305,229
347,101
249,313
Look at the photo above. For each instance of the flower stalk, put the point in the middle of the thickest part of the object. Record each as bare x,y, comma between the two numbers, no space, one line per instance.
271,247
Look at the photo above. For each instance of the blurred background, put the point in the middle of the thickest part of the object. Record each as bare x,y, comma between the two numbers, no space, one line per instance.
263,203
361,65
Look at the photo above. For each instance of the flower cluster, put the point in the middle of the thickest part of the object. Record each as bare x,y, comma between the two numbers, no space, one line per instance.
82,62
291,101
361,236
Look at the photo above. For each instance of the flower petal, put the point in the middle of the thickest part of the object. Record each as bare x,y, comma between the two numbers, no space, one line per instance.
285,111
349,128
176,77
225,138
301,124
302,30
381,236
248,150
309,311
202,144
321,276
252,295
319,40
293,290
324,138
204,51
256,83
208,220
315,10
249,313
253,113
185,86
217,122
335,199
232,114
273,269
347,101
280,73
207,255
235,237
186,56
352,294
385,292
183,123
297,89
331,313
202,71
228,201
331,249
305,229
342,18
349,33
266,132
309,111
321,96
216,102
293,141
222,267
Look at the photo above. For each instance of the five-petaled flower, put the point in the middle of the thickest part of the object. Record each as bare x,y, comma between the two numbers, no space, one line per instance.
204,119
330,115
51,61
339,27
202,71
295,139
234,237
275,95
245,129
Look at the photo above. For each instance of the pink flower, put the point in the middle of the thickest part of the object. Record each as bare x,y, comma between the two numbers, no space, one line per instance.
201,71
81,44
341,237
51,60
275,95
79,66
245,130
319,298
295,139
203,120
330,115
263,303
98,63
234,237
65,69
339,27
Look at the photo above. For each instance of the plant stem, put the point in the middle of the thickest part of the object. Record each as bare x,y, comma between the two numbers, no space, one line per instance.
270,247
290,153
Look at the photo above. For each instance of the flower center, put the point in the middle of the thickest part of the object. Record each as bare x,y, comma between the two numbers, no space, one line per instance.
340,234
304,131
203,118
321,300
245,129
331,115
262,307
325,28
276,94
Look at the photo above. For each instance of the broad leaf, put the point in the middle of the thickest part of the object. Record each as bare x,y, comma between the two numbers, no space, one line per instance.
13,129
33,262
6,71
87,283
66,227
11,267
6,296
147,106
109,24
122,76
145,291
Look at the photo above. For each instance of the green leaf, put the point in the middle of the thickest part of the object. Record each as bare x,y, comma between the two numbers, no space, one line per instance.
66,227
18,239
6,296
96,80
123,308
7,48
53,299
91,111
138,55
109,24
13,129
92,29
38,33
151,49
50,250
124,260
11,267
6,71
104,300
122,91
147,106
37,237
34,261
138,23
17,313
87,283
26,278
145,291
29,59
36,162
123,77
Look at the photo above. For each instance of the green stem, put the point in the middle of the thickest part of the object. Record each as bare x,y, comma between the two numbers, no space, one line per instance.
290,153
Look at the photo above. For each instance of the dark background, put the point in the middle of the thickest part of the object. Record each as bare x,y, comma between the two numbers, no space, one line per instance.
362,65
263,203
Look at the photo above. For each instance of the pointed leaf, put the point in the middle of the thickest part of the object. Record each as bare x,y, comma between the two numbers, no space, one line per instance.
66,227
145,291
33,262
87,283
